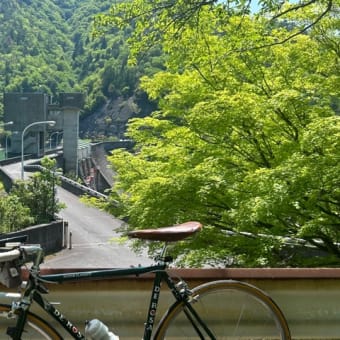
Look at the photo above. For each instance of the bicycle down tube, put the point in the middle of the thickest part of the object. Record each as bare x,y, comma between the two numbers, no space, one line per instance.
71,328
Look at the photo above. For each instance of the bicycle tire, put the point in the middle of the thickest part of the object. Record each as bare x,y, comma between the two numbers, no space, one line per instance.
35,328
231,309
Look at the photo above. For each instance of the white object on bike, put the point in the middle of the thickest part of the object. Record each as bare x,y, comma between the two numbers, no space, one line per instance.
96,330
10,255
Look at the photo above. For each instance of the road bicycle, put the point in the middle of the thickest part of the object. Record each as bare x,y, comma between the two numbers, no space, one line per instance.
223,309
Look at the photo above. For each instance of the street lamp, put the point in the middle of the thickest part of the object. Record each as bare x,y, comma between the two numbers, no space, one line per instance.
49,122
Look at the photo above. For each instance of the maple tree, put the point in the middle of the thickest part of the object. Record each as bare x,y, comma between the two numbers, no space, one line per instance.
246,138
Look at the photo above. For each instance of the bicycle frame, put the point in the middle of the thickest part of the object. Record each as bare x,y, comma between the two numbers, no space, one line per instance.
189,309
34,293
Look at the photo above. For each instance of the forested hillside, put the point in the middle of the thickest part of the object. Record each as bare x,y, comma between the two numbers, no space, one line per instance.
49,47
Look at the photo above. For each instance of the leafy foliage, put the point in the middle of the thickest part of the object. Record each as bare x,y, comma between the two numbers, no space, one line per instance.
246,136
163,21
34,199
13,214
30,60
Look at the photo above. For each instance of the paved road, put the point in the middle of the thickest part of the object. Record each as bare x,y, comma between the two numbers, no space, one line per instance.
92,233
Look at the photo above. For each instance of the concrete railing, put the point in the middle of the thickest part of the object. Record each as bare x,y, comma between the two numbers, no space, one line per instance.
69,184
310,298
51,236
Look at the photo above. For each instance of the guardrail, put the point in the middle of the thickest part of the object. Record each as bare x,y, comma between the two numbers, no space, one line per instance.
83,189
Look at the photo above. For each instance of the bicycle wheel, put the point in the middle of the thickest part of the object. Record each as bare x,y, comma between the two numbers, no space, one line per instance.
230,309
36,328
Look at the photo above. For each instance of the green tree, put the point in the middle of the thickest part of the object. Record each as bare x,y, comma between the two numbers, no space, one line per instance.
38,193
246,139
162,21
34,45
13,214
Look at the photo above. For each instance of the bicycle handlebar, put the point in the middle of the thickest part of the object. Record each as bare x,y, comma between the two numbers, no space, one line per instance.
17,250
10,255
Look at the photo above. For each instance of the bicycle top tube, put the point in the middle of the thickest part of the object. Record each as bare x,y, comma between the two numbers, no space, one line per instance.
102,273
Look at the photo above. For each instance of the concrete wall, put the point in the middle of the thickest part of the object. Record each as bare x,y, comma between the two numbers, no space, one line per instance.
70,136
50,236
6,179
104,175
308,297
24,109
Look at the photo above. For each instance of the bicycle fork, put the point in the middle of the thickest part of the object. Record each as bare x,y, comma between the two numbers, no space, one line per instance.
21,310
184,295
196,322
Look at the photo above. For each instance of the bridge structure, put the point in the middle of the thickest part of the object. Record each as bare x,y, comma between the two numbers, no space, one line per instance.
28,137
29,132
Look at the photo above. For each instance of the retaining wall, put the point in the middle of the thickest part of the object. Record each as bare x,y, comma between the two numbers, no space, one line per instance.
310,298
50,236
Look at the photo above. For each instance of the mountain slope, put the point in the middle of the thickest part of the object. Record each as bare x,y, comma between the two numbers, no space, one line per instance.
34,47
48,47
